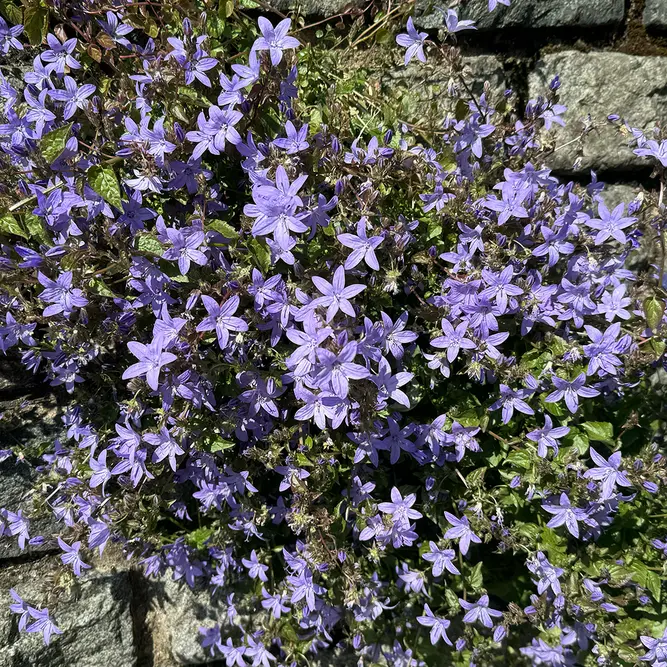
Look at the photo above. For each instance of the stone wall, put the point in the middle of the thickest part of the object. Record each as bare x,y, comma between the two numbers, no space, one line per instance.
611,56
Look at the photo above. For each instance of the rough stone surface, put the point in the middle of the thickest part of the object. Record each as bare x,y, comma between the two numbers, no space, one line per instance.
655,13
598,84
178,612
96,619
424,89
531,14
617,193
15,488
316,7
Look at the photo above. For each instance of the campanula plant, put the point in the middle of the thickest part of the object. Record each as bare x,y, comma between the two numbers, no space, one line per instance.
395,391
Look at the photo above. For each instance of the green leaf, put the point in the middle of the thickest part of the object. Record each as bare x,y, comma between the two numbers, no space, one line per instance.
382,36
556,409
220,445
262,254
580,443
36,22
36,229
11,12
10,225
658,346
600,432
197,538
98,286
476,477
646,578
654,309
223,228
554,545
103,180
468,418
227,8
520,459
287,631
149,244
475,578
53,143
434,230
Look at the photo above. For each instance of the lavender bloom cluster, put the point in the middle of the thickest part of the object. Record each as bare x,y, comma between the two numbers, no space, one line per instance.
395,397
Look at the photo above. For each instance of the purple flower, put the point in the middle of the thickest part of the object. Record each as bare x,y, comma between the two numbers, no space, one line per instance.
185,248
500,287
547,436
276,604
275,209
318,407
43,624
571,391
547,574
411,580
454,340
337,370
295,141
608,473
194,69
614,305
565,513
275,40
60,293
610,224
158,145
511,399
304,588
19,606
213,134
397,440
116,30
657,649
8,37
211,639
452,23
152,358
221,319
461,531
400,508
166,446
101,474
494,3
363,248
259,653
19,525
480,611
14,332
441,560
336,295
555,245
59,55
73,96
308,340
652,148
99,535
233,654
413,41
389,385
603,350
394,335
72,556
438,626
256,570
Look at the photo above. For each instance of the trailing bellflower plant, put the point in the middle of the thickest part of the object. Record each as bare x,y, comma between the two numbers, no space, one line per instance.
392,393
